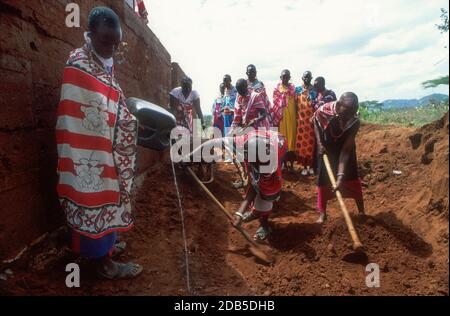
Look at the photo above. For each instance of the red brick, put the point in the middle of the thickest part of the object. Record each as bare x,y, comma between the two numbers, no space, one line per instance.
10,180
15,101
22,218
19,151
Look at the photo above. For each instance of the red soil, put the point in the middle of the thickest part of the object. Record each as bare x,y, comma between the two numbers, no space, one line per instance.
405,232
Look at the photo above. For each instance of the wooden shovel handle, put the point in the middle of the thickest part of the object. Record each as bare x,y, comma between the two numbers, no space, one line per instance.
222,208
351,229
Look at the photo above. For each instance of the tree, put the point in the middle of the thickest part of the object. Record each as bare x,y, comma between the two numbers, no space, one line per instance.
443,27
369,109
433,83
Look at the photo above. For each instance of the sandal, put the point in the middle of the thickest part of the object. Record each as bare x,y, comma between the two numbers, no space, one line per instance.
322,218
119,270
262,233
119,249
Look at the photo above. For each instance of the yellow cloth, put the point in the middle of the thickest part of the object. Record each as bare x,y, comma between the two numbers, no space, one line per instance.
288,124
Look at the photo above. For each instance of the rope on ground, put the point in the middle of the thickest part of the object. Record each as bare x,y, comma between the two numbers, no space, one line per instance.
186,253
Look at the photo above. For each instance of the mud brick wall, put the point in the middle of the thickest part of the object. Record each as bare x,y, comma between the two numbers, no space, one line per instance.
34,45
177,74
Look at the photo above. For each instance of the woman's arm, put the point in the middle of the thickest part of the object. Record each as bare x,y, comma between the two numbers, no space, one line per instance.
248,199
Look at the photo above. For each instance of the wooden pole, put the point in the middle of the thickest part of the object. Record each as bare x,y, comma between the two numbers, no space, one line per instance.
254,247
357,245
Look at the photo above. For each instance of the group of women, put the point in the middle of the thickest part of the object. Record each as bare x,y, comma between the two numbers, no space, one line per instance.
96,136
291,112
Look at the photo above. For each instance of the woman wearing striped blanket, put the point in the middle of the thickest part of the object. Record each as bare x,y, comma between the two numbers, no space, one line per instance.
96,138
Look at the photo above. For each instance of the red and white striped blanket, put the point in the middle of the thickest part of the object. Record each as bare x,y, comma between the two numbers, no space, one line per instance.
96,137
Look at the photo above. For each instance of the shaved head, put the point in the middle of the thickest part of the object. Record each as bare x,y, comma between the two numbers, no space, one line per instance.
307,74
227,81
242,87
104,31
186,80
347,106
285,76
186,84
350,99
307,78
319,84
251,72
251,67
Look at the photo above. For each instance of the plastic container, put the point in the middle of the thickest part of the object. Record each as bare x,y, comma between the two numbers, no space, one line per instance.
155,123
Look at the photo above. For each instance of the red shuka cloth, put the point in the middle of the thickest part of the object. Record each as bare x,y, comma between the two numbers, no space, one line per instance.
352,189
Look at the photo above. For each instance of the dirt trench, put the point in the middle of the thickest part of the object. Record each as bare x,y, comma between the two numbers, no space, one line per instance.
405,232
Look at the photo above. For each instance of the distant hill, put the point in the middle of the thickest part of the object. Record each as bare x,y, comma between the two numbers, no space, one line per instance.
436,97
406,103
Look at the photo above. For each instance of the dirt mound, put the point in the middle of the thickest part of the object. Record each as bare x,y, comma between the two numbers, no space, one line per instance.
419,195
318,260
314,260
405,232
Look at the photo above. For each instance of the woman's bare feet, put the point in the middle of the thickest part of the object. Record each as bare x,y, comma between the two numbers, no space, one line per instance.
112,270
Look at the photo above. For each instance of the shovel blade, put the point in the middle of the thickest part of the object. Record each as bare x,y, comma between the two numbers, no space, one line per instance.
261,255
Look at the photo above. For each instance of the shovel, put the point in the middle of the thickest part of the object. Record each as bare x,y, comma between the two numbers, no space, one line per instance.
357,245
254,248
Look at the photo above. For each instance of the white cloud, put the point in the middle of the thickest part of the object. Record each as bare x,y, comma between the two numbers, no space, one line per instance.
379,49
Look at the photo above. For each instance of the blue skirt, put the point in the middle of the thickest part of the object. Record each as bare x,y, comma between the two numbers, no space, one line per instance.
227,121
92,248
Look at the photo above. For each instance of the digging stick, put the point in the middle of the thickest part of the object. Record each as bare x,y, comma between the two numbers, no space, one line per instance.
357,245
254,247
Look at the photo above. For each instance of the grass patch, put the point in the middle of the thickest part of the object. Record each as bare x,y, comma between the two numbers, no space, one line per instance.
414,117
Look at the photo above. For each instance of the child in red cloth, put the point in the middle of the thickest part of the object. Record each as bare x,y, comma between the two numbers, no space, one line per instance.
265,179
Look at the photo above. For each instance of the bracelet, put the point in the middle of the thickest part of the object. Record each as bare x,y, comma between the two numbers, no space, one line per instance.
340,174
239,214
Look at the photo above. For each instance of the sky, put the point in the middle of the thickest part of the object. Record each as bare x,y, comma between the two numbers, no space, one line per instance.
379,49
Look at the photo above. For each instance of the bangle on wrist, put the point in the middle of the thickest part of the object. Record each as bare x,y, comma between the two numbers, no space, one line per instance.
239,215
340,174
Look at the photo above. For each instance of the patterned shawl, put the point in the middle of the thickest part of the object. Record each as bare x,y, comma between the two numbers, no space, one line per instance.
327,112
248,108
96,137
280,102
185,108
256,86
325,97
268,185
217,111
